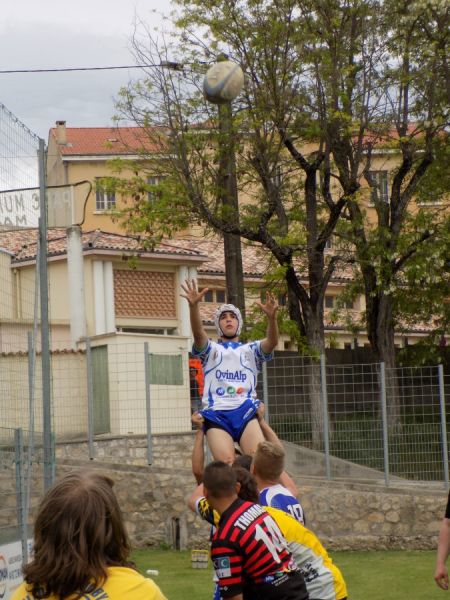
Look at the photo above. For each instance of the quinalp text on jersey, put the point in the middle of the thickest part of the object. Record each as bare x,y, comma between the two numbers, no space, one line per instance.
231,375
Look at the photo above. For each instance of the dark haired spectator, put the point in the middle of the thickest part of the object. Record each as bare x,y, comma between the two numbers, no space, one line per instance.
81,547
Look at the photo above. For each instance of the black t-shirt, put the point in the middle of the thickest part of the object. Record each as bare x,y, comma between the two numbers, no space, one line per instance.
447,510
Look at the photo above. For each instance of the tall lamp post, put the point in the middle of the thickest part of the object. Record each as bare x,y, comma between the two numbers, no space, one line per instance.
222,95
227,182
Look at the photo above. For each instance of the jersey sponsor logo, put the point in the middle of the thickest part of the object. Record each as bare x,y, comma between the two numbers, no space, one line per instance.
309,572
95,592
220,391
231,390
231,375
240,390
222,566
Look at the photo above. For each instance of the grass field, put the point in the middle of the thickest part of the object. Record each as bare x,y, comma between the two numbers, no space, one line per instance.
391,575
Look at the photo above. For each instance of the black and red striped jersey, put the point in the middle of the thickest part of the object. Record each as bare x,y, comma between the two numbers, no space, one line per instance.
248,549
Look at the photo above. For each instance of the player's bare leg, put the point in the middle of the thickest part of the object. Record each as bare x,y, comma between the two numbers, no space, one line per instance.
221,445
251,437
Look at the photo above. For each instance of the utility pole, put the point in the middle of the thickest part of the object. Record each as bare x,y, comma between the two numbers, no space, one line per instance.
228,192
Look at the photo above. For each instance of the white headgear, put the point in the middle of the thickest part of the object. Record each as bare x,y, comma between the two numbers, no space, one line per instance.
228,308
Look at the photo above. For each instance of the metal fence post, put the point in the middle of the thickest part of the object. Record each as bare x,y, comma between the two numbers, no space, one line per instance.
20,492
265,392
384,422
30,451
326,433
147,359
443,423
90,399
49,455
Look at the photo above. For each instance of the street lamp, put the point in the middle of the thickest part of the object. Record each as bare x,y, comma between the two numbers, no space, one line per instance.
227,182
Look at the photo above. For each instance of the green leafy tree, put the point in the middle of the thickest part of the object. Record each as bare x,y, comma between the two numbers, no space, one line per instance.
327,83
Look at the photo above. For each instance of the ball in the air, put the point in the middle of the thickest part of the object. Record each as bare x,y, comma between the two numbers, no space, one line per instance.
223,82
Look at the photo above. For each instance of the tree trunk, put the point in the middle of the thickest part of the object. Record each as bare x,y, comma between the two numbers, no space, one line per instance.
310,323
315,336
381,336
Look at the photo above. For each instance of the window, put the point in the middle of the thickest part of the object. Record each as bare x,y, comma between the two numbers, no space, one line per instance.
154,181
166,369
282,299
218,296
379,192
329,244
329,301
105,197
150,330
348,304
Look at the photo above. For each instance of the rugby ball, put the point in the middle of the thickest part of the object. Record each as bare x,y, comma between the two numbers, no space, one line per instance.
223,82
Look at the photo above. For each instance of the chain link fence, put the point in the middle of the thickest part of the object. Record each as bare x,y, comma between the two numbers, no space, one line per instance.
21,487
114,396
393,421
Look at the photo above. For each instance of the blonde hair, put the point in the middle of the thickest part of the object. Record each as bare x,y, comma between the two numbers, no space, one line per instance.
268,461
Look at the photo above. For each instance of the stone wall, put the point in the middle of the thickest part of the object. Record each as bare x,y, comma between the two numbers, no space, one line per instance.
344,514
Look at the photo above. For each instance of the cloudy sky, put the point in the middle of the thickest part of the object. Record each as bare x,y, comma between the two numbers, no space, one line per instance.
39,34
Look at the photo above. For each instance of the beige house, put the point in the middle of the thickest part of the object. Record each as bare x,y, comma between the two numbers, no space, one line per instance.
82,154
127,312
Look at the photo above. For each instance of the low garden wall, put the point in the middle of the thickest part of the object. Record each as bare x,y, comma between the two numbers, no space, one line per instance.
346,515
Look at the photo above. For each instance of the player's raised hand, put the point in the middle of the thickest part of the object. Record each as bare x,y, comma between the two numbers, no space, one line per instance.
270,307
191,292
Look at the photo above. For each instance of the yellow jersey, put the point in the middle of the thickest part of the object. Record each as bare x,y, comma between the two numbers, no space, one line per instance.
121,583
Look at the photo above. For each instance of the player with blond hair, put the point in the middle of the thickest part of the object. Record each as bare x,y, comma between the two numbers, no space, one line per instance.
268,468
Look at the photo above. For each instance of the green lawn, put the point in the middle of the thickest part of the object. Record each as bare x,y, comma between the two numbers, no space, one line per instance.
392,575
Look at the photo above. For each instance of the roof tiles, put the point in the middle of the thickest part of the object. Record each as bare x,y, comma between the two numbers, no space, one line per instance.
89,141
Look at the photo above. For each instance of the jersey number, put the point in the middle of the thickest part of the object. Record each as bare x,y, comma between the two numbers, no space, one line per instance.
272,538
296,511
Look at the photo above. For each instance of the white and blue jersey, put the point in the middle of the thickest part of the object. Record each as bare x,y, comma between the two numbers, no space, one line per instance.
230,373
280,497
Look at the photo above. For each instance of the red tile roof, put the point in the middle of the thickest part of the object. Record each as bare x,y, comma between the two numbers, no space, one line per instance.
255,260
90,141
23,244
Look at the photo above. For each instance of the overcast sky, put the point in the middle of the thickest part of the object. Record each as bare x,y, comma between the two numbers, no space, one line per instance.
54,34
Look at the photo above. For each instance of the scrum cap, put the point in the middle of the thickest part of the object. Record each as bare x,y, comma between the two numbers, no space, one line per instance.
227,308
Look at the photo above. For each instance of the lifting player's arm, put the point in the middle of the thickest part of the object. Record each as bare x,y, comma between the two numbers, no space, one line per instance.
271,436
198,451
193,296
270,308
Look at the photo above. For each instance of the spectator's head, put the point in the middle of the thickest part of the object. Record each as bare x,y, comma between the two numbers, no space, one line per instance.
244,461
219,480
247,485
79,532
268,461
